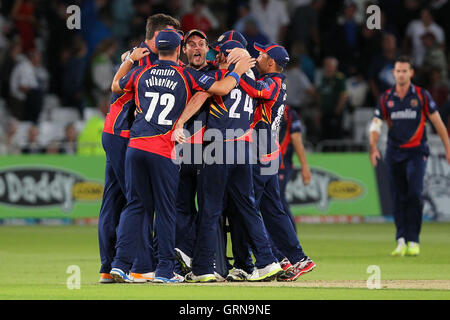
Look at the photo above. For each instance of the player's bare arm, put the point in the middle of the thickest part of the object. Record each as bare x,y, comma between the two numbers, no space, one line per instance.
375,129
436,120
126,66
227,84
297,142
193,106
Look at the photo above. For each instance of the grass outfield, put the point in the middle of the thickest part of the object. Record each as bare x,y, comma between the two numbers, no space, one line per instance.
34,261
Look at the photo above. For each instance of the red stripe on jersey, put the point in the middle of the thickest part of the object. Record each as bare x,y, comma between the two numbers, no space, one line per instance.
271,156
125,134
417,137
161,145
114,110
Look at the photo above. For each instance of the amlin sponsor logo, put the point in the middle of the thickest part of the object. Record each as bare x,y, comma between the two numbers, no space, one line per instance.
324,187
38,187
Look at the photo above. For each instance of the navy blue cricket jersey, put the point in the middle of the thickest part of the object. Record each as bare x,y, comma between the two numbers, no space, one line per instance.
406,118
290,124
270,92
161,92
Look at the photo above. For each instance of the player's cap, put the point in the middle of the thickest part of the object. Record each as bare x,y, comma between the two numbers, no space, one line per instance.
229,45
195,32
229,35
168,39
276,52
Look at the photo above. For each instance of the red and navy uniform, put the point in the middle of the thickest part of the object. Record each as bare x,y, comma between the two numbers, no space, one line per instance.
271,94
191,164
291,124
406,154
116,132
232,176
161,92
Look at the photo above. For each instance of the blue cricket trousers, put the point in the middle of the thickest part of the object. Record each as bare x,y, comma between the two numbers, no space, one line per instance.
406,173
113,197
152,182
236,180
284,176
114,201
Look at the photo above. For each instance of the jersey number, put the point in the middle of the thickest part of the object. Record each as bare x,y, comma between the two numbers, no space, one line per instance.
167,100
236,94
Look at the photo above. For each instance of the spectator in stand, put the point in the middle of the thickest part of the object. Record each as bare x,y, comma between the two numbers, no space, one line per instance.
272,17
245,15
8,145
28,84
75,63
414,32
344,40
102,70
23,14
302,96
304,26
380,75
306,61
89,141
333,98
438,87
434,58
253,35
196,19
13,56
69,144
33,145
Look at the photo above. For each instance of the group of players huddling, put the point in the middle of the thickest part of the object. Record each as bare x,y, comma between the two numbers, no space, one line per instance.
204,133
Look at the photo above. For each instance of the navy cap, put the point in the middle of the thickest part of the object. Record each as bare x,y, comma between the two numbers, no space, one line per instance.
196,32
229,45
229,35
168,39
276,52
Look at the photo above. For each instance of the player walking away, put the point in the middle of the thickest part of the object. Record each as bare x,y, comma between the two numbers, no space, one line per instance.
116,133
405,107
290,138
270,91
232,174
161,93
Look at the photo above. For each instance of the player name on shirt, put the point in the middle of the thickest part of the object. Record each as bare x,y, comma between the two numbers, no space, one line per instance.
153,81
404,114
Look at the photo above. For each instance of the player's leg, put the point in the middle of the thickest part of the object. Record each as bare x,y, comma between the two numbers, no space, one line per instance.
398,183
213,180
129,231
415,171
186,210
164,179
284,176
113,202
241,190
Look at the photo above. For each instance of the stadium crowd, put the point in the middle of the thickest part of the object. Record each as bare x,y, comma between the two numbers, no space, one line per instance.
53,76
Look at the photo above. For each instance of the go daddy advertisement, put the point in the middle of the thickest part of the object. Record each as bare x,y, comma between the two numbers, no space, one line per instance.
51,186
47,186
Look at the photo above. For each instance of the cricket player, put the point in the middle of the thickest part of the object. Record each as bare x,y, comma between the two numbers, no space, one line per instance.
405,108
116,133
231,171
291,141
270,91
161,92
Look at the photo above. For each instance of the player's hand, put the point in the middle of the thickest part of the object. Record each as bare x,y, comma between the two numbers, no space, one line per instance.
244,64
374,156
139,53
236,54
178,133
306,176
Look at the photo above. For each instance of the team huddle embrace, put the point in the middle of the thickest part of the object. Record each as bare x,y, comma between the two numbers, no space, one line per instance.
189,147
